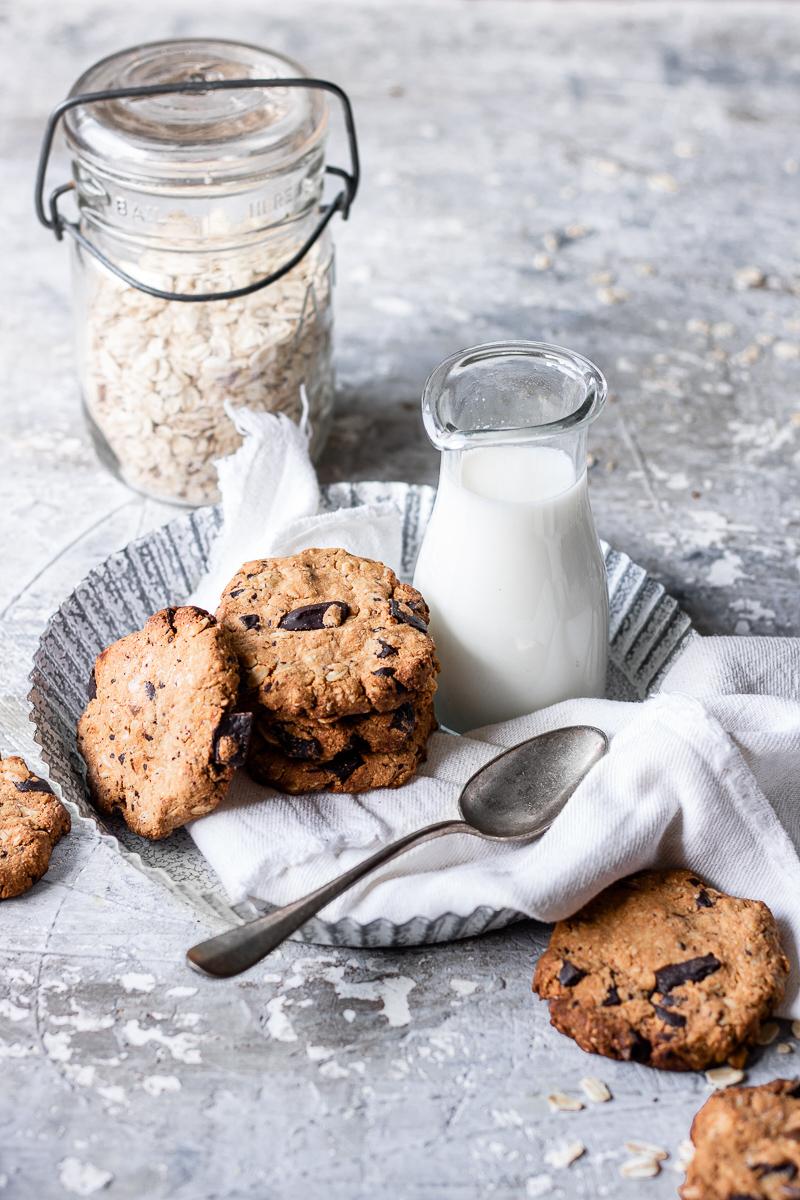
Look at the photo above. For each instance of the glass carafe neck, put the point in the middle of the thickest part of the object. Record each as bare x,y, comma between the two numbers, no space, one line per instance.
509,393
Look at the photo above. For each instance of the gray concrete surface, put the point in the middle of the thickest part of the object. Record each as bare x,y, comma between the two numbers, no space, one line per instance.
598,175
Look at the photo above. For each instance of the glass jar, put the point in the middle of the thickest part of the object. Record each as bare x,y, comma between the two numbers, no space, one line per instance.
510,564
195,193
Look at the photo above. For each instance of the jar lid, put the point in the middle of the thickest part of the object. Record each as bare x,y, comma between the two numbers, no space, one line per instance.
213,136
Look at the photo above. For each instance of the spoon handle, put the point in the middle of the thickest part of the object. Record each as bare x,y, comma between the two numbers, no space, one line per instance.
244,945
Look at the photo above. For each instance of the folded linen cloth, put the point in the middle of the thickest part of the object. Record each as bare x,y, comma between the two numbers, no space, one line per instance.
706,774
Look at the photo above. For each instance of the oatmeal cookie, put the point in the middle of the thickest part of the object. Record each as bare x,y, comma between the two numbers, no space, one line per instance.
747,1144
160,735
32,820
663,969
325,634
320,741
355,768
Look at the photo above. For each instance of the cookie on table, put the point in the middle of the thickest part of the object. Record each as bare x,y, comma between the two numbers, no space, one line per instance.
320,741
161,736
747,1144
663,969
31,822
354,769
326,634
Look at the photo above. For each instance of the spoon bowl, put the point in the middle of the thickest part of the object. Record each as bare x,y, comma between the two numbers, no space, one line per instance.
518,795
514,798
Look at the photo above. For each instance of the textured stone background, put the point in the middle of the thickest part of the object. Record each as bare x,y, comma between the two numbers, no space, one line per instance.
599,175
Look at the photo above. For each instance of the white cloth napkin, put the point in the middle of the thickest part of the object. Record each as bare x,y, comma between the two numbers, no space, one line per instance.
705,775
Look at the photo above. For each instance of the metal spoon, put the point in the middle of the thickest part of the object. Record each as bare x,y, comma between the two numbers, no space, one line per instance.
514,798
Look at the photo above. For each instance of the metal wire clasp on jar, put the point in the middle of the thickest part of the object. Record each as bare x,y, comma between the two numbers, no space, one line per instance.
203,262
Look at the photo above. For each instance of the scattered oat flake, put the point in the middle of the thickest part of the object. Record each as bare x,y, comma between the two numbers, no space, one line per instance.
542,262
561,1102
640,1168
611,295
662,181
767,1033
786,351
646,1150
720,1077
594,1089
685,1152
565,1154
785,1048
748,277
796,1024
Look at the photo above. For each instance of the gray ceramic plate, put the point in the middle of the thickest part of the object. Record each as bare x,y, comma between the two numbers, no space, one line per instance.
647,631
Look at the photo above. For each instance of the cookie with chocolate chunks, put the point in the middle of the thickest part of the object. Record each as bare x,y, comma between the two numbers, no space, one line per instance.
747,1144
663,969
325,634
32,820
354,768
320,740
161,734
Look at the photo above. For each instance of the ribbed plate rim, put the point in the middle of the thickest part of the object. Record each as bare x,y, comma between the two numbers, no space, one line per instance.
344,932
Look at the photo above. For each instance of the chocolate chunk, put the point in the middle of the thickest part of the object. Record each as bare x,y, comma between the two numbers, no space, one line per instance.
691,971
231,739
670,1001
307,749
569,974
32,785
612,997
384,671
236,592
326,615
345,763
149,690
795,1091
639,1049
703,900
404,718
92,689
408,618
669,1017
386,651
696,882
121,758
250,620
783,1168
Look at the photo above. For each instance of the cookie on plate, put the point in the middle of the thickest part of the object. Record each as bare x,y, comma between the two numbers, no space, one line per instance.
161,735
355,768
31,822
325,634
320,741
747,1144
663,969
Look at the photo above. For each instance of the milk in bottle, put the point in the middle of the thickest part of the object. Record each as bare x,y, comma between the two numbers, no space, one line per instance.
510,563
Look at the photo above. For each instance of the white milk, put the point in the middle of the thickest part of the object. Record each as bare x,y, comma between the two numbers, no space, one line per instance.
512,570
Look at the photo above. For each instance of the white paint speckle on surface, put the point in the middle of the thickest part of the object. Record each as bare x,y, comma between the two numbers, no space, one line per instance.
57,1046
538,1185
183,1047
134,982
82,1178
725,570
464,987
279,1026
157,1085
392,991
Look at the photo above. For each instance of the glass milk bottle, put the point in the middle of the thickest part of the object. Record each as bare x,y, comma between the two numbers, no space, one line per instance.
510,564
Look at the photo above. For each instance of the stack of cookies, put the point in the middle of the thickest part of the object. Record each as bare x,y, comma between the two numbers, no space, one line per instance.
337,667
